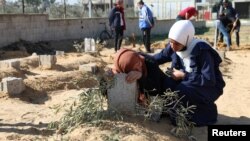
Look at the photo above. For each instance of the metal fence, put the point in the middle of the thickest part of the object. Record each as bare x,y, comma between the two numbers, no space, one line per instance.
59,9
83,9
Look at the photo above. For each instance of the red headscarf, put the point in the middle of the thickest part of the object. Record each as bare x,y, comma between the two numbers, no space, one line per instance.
127,60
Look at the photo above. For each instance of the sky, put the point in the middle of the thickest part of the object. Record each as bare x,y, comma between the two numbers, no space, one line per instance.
68,1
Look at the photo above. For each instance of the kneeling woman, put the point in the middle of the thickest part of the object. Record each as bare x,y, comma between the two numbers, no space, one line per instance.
142,68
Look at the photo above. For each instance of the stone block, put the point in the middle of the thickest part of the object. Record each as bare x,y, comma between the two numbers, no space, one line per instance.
123,96
91,67
12,85
47,61
89,45
12,63
59,53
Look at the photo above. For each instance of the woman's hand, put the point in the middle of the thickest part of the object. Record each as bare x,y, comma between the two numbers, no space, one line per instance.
178,75
133,76
110,72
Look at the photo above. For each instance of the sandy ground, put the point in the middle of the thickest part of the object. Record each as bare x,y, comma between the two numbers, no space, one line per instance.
26,117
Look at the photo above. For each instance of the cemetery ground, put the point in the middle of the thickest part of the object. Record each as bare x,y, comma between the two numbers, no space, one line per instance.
51,89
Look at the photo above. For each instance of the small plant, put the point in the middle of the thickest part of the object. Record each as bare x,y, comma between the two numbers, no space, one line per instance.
170,104
183,125
90,109
79,46
114,136
155,108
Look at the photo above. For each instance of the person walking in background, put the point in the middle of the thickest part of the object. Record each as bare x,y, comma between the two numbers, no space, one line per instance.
146,22
187,13
220,23
231,21
117,23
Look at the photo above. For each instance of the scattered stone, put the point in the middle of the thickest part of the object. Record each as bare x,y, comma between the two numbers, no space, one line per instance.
91,67
59,53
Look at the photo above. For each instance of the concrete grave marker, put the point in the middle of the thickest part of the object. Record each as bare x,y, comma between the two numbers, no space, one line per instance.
12,85
11,63
47,61
59,53
91,67
89,45
123,96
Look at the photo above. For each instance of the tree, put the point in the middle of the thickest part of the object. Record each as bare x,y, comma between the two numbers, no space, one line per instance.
65,8
34,2
2,3
52,1
23,7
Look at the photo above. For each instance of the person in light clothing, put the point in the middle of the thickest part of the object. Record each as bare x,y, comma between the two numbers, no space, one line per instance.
146,23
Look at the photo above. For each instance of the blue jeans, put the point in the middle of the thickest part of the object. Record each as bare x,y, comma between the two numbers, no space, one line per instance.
223,30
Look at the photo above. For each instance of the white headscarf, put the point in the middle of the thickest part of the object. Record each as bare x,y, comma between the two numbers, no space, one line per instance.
183,32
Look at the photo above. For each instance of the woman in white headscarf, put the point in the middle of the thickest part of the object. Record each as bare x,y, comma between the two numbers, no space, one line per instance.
196,73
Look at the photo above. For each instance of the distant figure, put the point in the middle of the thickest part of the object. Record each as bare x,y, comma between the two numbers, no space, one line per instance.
117,23
230,19
146,22
187,13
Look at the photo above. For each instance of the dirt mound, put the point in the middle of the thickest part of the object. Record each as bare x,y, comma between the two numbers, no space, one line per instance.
123,130
4,55
37,90
39,48
159,45
10,73
61,81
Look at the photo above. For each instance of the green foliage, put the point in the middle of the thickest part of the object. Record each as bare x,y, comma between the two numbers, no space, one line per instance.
91,108
34,2
52,1
170,104
79,46
114,136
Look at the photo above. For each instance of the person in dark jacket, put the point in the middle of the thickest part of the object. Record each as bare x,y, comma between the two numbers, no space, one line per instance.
117,23
146,23
231,21
196,73
221,24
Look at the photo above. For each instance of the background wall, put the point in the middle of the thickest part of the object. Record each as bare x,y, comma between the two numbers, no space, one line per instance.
38,27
